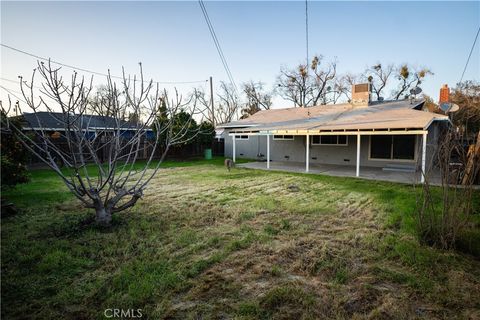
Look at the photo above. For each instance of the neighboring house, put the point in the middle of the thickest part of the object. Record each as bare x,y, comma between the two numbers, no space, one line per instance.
51,122
360,133
94,127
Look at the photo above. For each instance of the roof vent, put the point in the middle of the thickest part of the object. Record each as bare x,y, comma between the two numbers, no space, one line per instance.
360,94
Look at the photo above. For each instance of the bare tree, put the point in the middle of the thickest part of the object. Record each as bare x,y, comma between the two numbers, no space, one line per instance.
343,87
257,98
378,76
292,85
97,100
204,100
467,95
228,105
117,184
382,77
408,79
323,80
307,88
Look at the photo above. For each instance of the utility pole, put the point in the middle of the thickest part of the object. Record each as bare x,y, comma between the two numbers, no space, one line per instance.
211,101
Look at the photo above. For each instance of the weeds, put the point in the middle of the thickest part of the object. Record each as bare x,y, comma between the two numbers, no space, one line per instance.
445,215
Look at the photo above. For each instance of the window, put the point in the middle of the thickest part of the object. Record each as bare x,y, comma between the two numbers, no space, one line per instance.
330,140
400,147
381,147
282,137
404,147
241,137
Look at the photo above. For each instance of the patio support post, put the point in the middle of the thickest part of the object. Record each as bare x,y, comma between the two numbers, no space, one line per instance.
358,155
307,153
268,151
424,154
233,156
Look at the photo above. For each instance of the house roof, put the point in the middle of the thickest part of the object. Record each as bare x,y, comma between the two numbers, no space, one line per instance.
56,120
402,114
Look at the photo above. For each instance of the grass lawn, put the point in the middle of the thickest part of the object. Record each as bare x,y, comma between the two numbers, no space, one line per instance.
206,243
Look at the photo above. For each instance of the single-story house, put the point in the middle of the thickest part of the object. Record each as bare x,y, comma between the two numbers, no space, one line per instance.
360,133
94,127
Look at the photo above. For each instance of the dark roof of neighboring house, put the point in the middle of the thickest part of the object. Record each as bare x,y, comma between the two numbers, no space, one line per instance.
56,121
377,115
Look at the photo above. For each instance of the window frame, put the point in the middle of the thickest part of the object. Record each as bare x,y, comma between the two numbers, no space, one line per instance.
283,137
415,152
329,144
241,137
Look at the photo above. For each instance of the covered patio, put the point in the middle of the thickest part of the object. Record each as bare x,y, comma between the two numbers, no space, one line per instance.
370,173
343,170
391,141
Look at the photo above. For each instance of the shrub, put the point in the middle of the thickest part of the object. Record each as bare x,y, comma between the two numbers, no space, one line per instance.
445,215
13,157
206,135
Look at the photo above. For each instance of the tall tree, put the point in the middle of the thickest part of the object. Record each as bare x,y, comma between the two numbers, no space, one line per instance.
228,105
430,104
257,98
402,79
323,80
378,76
307,85
13,154
206,134
408,79
467,95
204,100
343,87
183,123
98,101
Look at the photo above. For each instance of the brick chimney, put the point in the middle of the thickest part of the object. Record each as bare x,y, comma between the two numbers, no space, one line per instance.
360,94
444,94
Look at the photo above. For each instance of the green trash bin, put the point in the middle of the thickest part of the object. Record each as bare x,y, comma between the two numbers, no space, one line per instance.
208,154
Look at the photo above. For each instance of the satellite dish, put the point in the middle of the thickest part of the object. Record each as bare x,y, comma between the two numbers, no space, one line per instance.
445,106
416,90
454,107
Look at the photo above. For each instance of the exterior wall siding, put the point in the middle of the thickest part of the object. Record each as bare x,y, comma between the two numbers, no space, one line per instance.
294,150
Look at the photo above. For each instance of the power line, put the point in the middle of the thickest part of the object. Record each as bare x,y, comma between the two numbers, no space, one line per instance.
306,28
17,82
217,44
13,94
90,71
9,80
468,59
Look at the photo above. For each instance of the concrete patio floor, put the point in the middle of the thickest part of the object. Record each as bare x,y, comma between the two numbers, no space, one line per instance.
371,173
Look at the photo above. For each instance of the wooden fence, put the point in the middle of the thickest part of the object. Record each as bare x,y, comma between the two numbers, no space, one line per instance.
177,152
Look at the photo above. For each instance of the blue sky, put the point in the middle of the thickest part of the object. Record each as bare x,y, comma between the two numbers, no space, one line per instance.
172,40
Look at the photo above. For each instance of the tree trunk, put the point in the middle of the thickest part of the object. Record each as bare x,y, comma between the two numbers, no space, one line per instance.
103,216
